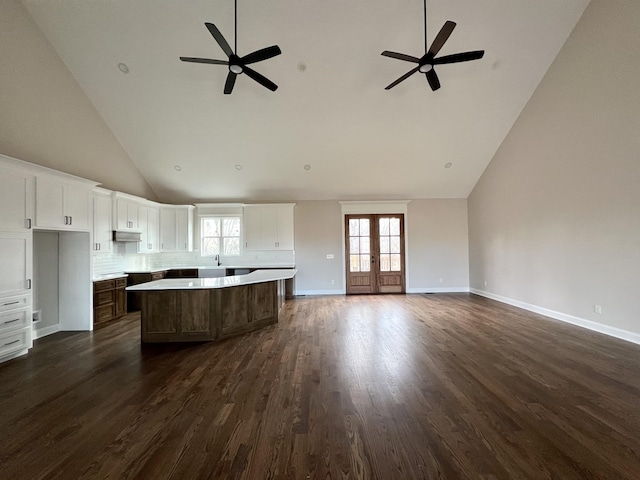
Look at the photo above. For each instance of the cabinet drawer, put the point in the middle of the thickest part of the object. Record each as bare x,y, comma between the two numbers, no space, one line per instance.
121,282
14,341
103,313
157,275
103,298
13,303
14,320
104,285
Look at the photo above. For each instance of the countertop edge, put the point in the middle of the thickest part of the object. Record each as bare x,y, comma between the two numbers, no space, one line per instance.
259,276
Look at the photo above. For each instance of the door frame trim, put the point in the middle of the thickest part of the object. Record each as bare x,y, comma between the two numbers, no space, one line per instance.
375,207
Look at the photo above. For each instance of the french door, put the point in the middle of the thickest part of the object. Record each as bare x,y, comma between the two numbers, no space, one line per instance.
375,253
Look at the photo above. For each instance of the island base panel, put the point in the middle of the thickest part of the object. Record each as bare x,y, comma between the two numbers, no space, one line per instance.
208,314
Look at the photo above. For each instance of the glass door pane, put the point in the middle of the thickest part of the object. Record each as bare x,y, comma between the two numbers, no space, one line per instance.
389,238
359,245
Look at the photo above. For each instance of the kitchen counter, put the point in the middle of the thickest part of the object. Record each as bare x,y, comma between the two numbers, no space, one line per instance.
209,283
212,267
109,276
209,309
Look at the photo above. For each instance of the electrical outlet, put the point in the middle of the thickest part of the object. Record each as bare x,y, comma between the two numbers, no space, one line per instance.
441,280
35,316
597,308
333,282
485,283
330,256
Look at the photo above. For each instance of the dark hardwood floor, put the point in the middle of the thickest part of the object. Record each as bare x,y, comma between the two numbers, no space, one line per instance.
387,387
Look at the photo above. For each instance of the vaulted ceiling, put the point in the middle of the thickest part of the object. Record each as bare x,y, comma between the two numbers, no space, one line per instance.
330,113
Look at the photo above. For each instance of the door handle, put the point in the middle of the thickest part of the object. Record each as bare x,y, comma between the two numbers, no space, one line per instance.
373,259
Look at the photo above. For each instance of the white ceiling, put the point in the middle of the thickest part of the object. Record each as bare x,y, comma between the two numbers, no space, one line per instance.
361,141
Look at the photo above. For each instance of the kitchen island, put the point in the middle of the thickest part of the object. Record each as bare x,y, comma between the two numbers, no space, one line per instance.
209,309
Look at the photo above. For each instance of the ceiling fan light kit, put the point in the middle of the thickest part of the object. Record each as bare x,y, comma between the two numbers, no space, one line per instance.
429,60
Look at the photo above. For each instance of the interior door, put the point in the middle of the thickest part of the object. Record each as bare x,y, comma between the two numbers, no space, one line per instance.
375,253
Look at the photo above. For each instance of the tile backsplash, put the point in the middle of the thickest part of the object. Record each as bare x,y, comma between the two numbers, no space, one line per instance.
125,258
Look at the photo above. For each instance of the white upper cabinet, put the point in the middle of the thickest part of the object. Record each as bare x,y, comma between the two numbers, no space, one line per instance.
176,228
269,227
102,226
167,229
16,200
184,229
149,228
127,214
62,205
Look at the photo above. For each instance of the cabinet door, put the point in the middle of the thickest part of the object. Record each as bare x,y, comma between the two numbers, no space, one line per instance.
50,204
184,236
153,230
102,236
168,230
121,302
269,227
127,215
143,216
15,263
252,225
77,207
285,228
15,201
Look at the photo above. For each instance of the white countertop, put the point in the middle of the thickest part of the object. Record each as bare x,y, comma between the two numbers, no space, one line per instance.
259,276
211,267
109,276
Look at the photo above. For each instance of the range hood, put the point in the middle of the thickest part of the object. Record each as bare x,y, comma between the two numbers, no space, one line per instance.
126,236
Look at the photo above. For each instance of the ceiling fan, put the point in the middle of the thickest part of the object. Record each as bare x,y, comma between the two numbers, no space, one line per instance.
238,65
428,61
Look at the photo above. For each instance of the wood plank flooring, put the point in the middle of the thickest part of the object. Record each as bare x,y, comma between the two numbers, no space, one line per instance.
449,386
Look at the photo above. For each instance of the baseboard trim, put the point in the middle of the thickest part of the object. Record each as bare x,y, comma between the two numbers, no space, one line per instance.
44,331
318,292
439,290
563,317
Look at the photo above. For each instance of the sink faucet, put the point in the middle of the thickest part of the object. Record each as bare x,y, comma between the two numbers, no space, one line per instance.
218,260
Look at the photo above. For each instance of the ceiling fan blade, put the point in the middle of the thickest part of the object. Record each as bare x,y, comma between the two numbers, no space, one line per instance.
441,38
219,38
459,57
400,56
231,81
401,79
432,78
204,60
262,54
262,80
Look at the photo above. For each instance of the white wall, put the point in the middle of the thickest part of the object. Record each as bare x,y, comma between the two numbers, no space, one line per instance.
554,221
47,119
437,246
318,232
45,278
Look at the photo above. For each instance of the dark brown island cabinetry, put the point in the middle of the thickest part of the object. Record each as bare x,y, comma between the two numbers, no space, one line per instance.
109,300
189,315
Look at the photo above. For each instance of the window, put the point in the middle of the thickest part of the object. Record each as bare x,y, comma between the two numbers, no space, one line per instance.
220,236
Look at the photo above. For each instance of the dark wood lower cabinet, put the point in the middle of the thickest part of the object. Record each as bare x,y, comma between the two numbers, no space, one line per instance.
207,314
109,300
133,298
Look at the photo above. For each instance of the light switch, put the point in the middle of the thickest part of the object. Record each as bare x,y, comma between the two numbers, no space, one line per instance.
330,256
